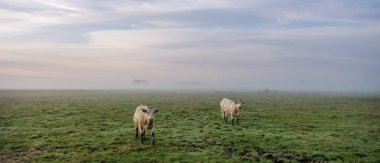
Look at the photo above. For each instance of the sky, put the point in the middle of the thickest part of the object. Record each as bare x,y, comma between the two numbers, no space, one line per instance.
190,44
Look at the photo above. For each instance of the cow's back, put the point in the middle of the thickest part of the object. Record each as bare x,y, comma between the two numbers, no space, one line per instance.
226,104
139,116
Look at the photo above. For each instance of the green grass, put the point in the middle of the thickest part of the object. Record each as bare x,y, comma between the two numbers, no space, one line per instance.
67,126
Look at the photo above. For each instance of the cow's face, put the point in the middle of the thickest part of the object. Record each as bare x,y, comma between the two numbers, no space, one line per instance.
238,105
150,111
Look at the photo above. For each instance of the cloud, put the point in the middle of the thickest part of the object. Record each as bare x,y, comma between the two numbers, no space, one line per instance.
140,81
251,44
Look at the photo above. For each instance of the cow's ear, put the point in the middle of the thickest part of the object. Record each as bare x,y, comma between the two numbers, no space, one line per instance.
156,110
144,110
236,102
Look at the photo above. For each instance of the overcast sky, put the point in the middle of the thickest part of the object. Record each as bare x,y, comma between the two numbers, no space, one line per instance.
216,44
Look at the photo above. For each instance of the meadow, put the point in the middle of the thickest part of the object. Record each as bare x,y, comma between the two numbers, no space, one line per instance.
96,125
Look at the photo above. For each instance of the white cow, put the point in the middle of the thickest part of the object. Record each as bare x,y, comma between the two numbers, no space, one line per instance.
228,107
144,120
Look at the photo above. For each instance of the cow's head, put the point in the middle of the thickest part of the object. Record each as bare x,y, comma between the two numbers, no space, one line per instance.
238,105
150,111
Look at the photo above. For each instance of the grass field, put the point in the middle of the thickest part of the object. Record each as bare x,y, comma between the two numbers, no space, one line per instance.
69,126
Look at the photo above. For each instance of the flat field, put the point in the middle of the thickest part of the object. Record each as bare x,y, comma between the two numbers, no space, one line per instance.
96,125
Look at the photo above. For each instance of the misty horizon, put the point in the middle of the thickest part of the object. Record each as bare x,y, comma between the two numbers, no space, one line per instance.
184,86
250,45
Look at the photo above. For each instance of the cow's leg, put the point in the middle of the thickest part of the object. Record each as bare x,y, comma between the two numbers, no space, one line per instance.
153,142
223,114
237,119
137,132
142,135
221,110
141,129
232,117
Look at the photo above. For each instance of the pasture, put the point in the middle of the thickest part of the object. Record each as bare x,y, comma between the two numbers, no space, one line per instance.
96,125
